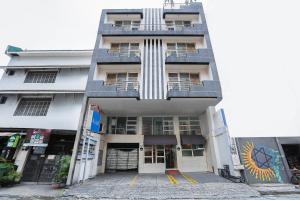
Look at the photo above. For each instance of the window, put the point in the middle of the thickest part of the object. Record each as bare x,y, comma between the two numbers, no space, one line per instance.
123,81
128,24
10,72
158,126
183,81
192,150
177,24
154,154
122,125
180,49
189,126
40,77
33,107
3,99
125,49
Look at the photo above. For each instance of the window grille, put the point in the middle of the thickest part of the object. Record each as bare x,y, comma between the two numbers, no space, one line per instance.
33,107
40,77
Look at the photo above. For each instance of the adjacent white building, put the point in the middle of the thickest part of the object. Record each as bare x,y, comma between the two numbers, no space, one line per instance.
41,90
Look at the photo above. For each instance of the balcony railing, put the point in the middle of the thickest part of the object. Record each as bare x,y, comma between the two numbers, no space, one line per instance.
181,53
125,53
182,85
153,27
172,5
124,86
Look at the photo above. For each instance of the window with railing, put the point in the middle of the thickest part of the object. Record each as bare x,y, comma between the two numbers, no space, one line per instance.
40,77
189,126
158,126
33,107
128,24
180,49
123,81
154,154
177,25
183,81
125,49
122,125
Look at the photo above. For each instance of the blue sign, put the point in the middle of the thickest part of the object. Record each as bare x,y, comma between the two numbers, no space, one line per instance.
95,123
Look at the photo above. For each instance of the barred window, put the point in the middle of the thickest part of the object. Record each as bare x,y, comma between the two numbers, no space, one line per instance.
40,77
33,107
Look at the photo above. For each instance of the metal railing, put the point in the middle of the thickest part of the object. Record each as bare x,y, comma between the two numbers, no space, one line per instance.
125,53
153,27
170,4
124,85
182,85
180,53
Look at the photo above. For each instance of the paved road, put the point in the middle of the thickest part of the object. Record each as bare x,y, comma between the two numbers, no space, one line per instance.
151,186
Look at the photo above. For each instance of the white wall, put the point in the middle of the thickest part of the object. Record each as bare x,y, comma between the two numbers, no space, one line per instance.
49,60
63,113
66,79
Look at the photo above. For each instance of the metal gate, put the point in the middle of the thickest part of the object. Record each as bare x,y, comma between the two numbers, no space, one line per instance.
120,159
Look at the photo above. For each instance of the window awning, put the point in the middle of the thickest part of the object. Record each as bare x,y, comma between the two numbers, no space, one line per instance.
160,140
192,139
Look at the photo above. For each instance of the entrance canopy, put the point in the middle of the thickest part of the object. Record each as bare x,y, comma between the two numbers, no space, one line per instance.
192,139
160,140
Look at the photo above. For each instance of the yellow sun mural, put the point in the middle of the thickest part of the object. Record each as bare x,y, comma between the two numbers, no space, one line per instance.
260,171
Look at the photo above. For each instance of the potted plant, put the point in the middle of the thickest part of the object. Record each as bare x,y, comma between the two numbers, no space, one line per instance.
8,175
60,178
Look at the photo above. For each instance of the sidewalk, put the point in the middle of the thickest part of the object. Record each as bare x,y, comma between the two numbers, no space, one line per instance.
30,190
276,189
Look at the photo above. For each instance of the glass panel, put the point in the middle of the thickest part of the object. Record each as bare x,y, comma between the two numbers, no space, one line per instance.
118,23
186,146
111,79
187,23
187,153
160,160
121,125
147,125
148,159
157,126
198,152
195,79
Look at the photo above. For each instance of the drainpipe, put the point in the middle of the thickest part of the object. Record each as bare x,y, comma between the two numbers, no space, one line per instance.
77,141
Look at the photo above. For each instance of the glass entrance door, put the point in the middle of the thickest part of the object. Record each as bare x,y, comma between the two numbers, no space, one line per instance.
170,154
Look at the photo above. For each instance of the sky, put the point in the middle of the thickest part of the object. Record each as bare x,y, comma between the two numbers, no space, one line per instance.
255,42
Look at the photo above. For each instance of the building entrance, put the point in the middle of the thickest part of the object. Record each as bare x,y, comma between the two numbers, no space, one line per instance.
170,154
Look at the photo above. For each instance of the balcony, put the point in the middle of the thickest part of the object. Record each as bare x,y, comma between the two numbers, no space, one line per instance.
153,29
197,56
185,89
120,89
106,56
171,8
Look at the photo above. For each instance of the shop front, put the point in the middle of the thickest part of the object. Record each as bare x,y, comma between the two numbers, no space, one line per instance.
9,143
45,148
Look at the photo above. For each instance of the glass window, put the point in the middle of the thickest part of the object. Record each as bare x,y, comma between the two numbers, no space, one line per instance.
158,126
192,150
154,154
123,125
189,126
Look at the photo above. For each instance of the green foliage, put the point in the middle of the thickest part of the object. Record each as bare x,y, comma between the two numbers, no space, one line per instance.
8,174
63,170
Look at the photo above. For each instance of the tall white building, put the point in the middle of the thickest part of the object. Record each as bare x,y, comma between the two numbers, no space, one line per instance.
154,82
41,93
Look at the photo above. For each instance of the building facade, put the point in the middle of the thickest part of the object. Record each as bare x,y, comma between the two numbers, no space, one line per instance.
41,95
154,83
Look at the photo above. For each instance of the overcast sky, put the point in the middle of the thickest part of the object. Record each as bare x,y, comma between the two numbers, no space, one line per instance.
256,45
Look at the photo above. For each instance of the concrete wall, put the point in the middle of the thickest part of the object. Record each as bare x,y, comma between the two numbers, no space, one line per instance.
59,60
63,114
66,79
263,160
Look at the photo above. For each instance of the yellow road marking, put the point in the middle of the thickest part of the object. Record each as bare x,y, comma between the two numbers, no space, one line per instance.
172,180
190,179
133,181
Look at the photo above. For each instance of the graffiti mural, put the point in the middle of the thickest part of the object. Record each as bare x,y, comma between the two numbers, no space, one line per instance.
262,162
